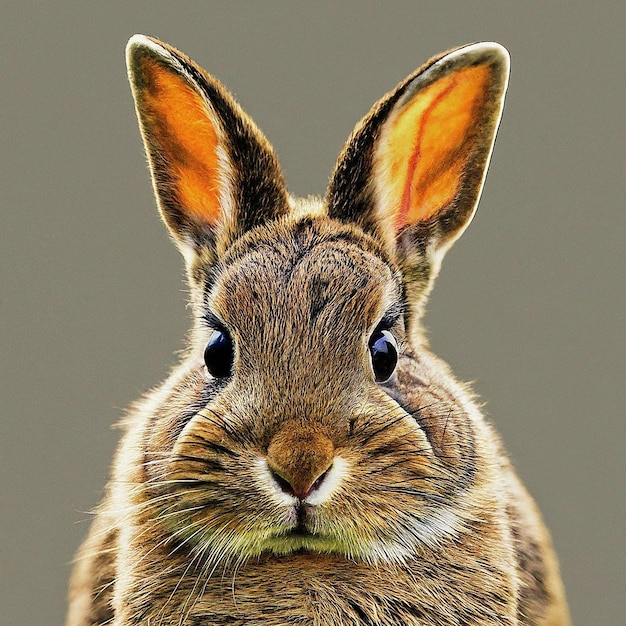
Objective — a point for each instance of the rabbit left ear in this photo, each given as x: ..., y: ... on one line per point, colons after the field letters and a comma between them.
x: 413, y: 171
x: 215, y: 175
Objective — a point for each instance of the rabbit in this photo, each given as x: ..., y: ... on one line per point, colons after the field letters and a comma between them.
x: 310, y: 461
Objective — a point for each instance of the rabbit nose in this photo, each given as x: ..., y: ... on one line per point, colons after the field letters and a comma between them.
x: 299, y: 458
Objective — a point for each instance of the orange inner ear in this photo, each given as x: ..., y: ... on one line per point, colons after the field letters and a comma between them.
x: 426, y: 149
x: 187, y: 140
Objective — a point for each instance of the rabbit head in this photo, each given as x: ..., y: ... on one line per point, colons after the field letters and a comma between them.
x: 308, y: 413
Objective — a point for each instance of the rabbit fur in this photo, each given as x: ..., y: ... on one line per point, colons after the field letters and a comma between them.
x: 292, y: 487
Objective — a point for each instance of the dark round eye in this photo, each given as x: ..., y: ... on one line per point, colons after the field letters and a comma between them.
x: 219, y: 354
x: 384, y: 350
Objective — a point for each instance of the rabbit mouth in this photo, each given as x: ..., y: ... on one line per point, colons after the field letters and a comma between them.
x: 301, y: 534
x: 302, y: 540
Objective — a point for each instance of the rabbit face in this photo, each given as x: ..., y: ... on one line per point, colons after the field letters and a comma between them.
x: 299, y: 448
x: 298, y: 442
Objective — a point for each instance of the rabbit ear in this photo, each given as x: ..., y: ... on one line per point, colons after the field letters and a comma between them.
x: 214, y: 173
x: 413, y: 170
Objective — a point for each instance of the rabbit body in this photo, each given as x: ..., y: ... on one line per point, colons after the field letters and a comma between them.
x: 310, y: 461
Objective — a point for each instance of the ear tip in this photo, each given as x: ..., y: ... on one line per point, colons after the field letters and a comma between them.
x: 141, y: 46
x: 138, y: 39
x: 137, y: 43
x: 497, y: 52
x: 488, y: 51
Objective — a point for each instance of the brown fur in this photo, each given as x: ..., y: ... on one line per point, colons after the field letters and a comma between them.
x: 419, y: 517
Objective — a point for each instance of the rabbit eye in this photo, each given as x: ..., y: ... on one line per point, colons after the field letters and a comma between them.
x: 219, y: 354
x: 384, y: 351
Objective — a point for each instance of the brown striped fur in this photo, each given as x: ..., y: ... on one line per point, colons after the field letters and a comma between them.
x: 406, y: 509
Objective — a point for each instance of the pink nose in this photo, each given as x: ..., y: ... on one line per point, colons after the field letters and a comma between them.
x: 299, y: 457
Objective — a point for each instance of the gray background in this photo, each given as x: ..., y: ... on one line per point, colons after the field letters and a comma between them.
x: 530, y: 303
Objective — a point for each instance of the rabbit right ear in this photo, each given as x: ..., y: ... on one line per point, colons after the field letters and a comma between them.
x: 215, y: 175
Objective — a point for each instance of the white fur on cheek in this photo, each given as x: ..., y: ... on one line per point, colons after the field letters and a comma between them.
x: 429, y: 531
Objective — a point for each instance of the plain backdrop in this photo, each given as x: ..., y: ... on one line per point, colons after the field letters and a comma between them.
x: 530, y: 303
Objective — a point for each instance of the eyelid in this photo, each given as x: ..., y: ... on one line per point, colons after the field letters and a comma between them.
x: 213, y: 322
x: 389, y: 319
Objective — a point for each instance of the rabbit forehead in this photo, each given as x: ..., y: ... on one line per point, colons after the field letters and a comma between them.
x: 303, y: 279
